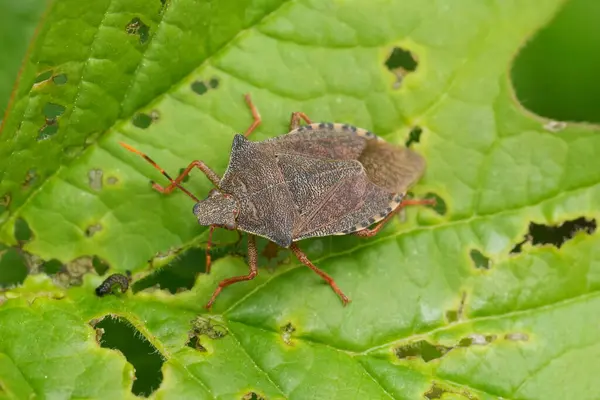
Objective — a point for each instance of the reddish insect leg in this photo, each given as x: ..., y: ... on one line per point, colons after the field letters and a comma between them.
x: 176, y: 183
x: 255, y: 115
x: 211, y: 229
x: 252, y: 266
x: 304, y: 260
x: 295, y: 120
x: 210, y: 174
x: 404, y: 203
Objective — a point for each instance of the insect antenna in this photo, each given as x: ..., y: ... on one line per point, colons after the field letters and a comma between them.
x: 158, y: 167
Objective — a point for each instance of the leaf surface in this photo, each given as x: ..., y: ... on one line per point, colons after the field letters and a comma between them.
x: 168, y: 77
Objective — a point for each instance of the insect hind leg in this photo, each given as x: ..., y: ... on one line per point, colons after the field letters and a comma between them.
x: 304, y: 260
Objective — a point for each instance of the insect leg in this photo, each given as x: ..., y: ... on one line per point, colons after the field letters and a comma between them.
x: 255, y: 115
x: 175, y: 183
x: 304, y: 260
x: 404, y: 203
x: 252, y: 266
x: 211, y: 229
x: 295, y: 120
x: 210, y: 174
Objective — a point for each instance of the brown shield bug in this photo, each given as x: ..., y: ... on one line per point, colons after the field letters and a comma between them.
x: 317, y: 180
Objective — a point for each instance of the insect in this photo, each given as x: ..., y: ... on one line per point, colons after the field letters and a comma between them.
x: 317, y: 180
x: 106, y: 287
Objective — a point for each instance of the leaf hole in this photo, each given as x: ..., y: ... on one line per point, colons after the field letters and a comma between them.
x: 440, y: 205
x: 154, y: 115
x: 213, y: 83
x: 476, y: 339
x: 137, y: 27
x: 52, y: 267
x: 100, y: 266
x: 141, y: 120
x: 204, y: 327
x: 59, y: 79
x: 199, y: 87
x: 414, y: 136
x: 22, y: 232
x: 43, y: 77
x: 53, y: 110
x: 421, y: 349
x: 112, y: 180
x: 49, y: 129
x: 95, y: 179
x: 91, y: 230
x: 401, y: 62
x: 437, y: 391
x: 556, y: 235
x: 13, y: 267
x: 119, y: 334
x: 177, y: 270
x: 479, y: 260
x: 253, y: 396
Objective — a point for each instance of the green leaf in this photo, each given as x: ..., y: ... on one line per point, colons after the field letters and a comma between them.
x: 17, y: 23
x: 441, y: 305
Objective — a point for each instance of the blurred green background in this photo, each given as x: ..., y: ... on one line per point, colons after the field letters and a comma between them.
x: 555, y: 76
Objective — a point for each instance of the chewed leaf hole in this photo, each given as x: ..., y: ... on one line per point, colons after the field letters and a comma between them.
x: 199, y: 87
x: 60, y: 79
x: 141, y: 120
x: 53, y: 111
x: 440, y: 205
x: 414, y: 136
x: 400, y: 62
x: 421, y: 349
x: 49, y: 129
x: 213, y: 83
x: 100, y: 266
x: 556, y: 235
x: 22, y: 231
x: 176, y: 271
x: 137, y: 27
x: 479, y: 260
x: 44, y: 76
x: 13, y: 267
x: 119, y: 334
x: 439, y: 391
x: 253, y: 396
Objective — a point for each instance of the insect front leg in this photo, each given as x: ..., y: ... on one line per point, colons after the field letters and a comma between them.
x: 404, y: 203
x: 304, y: 260
x: 252, y: 267
x: 255, y: 116
x: 175, y: 183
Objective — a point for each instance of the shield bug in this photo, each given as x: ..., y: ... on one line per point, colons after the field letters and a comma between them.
x: 317, y: 180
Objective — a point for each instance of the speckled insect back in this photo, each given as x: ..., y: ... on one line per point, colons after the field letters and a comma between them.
x: 317, y: 180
